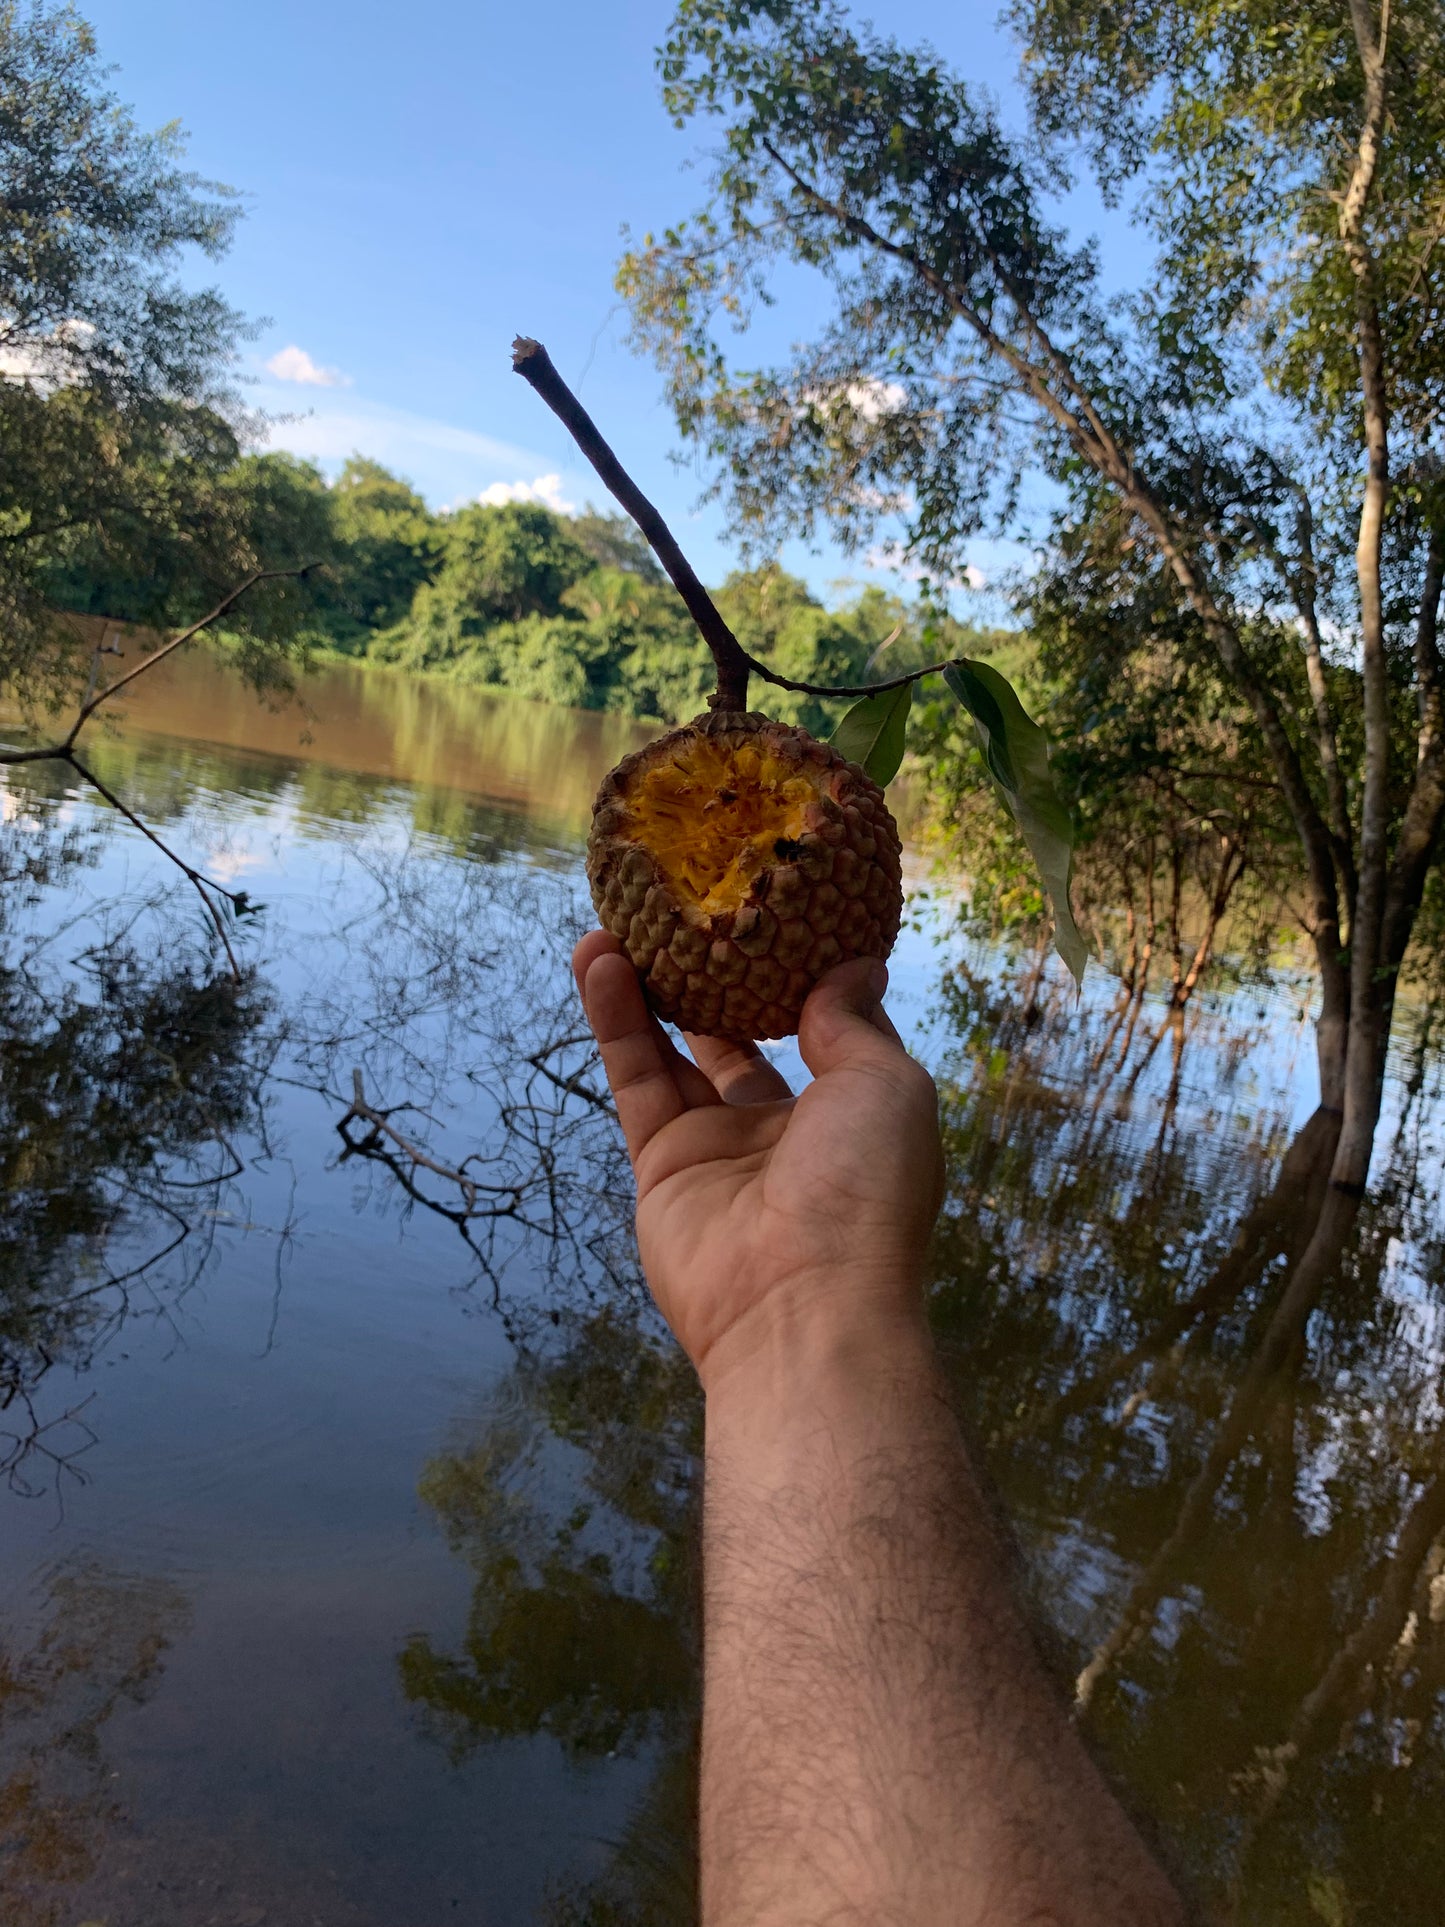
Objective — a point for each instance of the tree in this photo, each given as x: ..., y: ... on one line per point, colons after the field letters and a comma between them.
x: 388, y: 545
x: 189, y: 529
x: 499, y: 565
x: 117, y: 419
x: 1251, y: 439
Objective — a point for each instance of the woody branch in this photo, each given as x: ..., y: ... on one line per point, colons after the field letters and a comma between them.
x: 65, y: 751
x: 734, y: 665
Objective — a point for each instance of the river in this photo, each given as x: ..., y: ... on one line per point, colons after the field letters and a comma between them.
x: 347, y: 1530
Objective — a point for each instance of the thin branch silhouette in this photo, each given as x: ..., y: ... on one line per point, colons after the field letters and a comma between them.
x: 64, y: 751
x: 734, y: 665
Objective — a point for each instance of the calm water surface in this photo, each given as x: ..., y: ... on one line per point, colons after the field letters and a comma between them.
x: 346, y: 1535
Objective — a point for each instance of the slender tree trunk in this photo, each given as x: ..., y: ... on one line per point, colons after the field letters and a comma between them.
x: 1372, y: 988
x: 1225, y: 878
x: 1131, y: 952
x: 1176, y: 937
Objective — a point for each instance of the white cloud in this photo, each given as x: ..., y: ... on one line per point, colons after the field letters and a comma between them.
x: 869, y: 399
x: 49, y: 361
x: 890, y: 555
x: 444, y: 460
x: 546, y: 489
x: 294, y: 364
x: 873, y: 399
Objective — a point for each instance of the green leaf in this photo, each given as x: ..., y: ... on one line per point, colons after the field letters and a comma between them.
x: 1017, y: 754
x: 871, y: 734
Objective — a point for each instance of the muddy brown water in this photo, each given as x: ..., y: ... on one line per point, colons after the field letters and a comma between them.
x: 346, y: 1534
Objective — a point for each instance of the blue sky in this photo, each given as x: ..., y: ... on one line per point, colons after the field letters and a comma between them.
x: 422, y: 184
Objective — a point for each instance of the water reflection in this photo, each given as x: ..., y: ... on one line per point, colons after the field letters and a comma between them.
x: 1208, y: 1391
x: 583, y: 1621
x: 122, y: 1082
x: 346, y: 728
x: 99, y: 1648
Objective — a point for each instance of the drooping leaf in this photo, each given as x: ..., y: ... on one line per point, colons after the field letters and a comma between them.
x: 1016, y: 752
x: 871, y: 734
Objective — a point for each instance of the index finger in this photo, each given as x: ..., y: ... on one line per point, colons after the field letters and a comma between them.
x: 635, y: 1054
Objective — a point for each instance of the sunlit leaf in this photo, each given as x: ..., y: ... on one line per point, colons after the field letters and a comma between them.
x: 871, y: 734
x: 1017, y: 754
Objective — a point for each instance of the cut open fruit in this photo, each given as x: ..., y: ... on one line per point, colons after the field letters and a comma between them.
x: 737, y: 859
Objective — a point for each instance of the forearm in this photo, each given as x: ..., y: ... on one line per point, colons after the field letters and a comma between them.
x: 879, y: 1741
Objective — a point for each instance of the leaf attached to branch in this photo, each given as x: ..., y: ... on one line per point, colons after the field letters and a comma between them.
x: 1017, y: 754
x: 871, y: 734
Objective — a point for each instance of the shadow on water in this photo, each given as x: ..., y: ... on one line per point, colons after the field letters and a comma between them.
x: 1206, y: 1388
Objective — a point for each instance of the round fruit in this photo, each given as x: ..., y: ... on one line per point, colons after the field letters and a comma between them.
x: 737, y: 859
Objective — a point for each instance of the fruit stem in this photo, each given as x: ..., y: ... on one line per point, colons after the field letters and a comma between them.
x: 532, y: 362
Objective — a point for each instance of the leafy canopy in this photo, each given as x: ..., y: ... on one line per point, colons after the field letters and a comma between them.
x: 1202, y: 437
x: 116, y: 413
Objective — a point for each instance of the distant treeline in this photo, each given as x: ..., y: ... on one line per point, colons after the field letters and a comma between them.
x: 562, y: 609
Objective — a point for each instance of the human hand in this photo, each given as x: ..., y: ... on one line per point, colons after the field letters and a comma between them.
x: 757, y: 1209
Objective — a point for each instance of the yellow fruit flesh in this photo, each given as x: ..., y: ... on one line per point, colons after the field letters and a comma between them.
x: 713, y: 818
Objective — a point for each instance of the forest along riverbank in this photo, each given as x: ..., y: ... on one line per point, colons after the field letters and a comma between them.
x: 344, y: 1554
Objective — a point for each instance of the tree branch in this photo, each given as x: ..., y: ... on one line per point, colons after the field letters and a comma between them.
x: 1090, y: 437
x: 734, y: 665
x: 64, y: 751
x: 532, y: 362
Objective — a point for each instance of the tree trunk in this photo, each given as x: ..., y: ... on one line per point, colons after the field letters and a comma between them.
x: 1372, y: 989
x: 1364, y: 1081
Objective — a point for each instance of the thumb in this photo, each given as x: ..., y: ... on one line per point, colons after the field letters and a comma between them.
x: 843, y: 1022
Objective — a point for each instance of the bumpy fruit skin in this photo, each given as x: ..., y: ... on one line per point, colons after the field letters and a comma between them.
x: 737, y: 859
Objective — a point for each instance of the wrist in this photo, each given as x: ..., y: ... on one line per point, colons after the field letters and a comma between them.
x: 815, y: 1335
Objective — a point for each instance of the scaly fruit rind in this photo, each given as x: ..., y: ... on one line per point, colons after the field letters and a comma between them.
x: 737, y: 859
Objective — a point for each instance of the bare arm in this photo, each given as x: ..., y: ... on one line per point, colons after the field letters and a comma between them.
x: 880, y: 1743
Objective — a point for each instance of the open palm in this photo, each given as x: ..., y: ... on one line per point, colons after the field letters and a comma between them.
x: 753, y: 1203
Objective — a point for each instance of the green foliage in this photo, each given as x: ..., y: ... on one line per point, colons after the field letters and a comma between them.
x: 1201, y: 436
x: 575, y: 611
x: 873, y: 732
x: 498, y: 566
x: 387, y: 546
x: 1016, y: 752
x: 115, y: 414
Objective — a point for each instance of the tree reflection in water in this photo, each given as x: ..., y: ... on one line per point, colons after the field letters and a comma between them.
x: 123, y: 1077
x: 576, y: 1508
x: 1207, y: 1389
x: 1208, y: 1392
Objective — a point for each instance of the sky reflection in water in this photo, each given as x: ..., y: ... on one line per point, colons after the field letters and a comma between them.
x: 346, y: 1566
